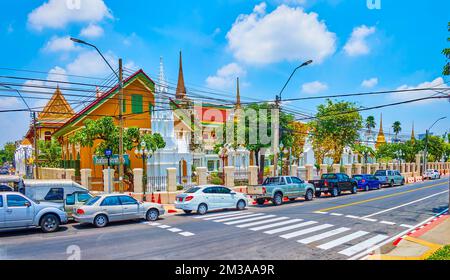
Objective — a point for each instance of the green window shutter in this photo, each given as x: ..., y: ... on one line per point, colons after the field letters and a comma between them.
x: 136, y: 104
x: 150, y: 108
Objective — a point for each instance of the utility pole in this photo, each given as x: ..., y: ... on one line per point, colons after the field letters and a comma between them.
x: 36, y: 153
x: 425, y: 153
x: 121, y: 161
x: 276, y: 132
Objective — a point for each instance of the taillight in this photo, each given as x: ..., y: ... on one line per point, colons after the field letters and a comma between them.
x: 326, y: 183
x: 363, y: 181
x: 264, y: 190
x: 189, y: 198
x: 80, y: 212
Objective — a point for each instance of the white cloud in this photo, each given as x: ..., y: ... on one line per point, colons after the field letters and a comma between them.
x: 225, y: 77
x: 286, y: 34
x: 90, y: 63
x: 357, y: 44
x: 314, y: 87
x: 58, y: 44
x: 7, y: 103
x: 59, y: 13
x: 92, y: 31
x: 370, y: 83
x: 417, y: 94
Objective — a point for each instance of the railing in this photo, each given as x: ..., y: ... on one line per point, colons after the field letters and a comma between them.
x: 156, y: 184
x: 241, y: 177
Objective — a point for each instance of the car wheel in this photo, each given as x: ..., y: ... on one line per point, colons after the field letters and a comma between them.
x: 187, y: 211
x: 100, y: 221
x: 278, y: 199
x: 367, y: 188
x: 355, y: 190
x: 318, y: 194
x: 260, y: 201
x: 152, y: 215
x: 309, y: 195
x: 392, y: 184
x: 202, y: 209
x: 403, y: 182
x: 241, y: 205
x: 335, y: 192
x: 49, y: 223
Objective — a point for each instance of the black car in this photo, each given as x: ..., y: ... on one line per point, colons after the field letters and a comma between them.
x: 5, y: 188
x: 335, y: 183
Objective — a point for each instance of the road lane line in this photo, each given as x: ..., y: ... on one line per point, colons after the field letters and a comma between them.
x: 262, y: 222
x: 363, y: 245
x: 218, y: 216
x: 381, y: 197
x: 403, y: 205
x: 164, y: 226
x: 352, y: 217
x: 387, y: 223
x: 186, y: 233
x: 321, y: 212
x: 337, y: 214
x: 250, y: 220
x: 154, y: 224
x: 342, y: 240
x: 406, y: 226
x: 237, y: 218
x: 276, y: 225
x: 306, y: 231
x: 369, y: 219
x: 323, y: 235
x: 174, y: 229
x: 283, y: 229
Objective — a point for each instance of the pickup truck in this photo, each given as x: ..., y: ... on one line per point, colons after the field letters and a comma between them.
x: 276, y: 188
x: 334, y: 183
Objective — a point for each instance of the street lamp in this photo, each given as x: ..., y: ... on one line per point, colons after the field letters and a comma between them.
x: 290, y: 77
x: 120, y: 83
x: 425, y: 153
x: 143, y: 153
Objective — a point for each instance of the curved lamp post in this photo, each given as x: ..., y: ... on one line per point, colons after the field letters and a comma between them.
x: 143, y: 153
x: 425, y: 153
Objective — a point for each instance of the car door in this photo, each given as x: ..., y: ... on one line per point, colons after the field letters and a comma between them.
x: 130, y: 207
x: 300, y: 186
x: 210, y: 197
x: 19, y: 211
x: 228, y: 197
x: 113, y: 208
x: 2, y: 212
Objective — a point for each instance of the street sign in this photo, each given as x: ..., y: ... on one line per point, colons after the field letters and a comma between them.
x: 114, y: 160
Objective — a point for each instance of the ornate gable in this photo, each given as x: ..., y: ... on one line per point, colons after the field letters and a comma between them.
x: 57, y: 109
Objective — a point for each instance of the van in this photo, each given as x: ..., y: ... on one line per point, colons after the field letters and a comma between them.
x: 51, y: 190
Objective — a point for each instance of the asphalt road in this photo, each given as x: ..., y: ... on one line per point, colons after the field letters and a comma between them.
x: 327, y: 228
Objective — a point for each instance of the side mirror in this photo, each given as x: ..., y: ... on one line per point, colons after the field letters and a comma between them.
x: 28, y: 204
x: 233, y: 193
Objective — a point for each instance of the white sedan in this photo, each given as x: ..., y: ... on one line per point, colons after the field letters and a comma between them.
x: 204, y: 198
x: 432, y: 174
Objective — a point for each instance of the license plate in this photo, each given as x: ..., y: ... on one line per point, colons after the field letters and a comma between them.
x: 180, y: 199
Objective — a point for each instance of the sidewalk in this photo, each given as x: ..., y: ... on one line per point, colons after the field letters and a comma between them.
x: 420, y: 243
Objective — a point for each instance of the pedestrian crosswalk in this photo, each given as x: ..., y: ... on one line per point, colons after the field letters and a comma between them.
x: 345, y: 241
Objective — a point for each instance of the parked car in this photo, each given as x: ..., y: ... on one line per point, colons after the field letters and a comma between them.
x: 4, y: 171
x: 204, y: 198
x: 335, y: 184
x: 276, y: 188
x: 5, y: 188
x: 390, y: 178
x: 432, y: 174
x: 103, y: 209
x: 367, y: 182
x: 18, y: 211
x: 75, y: 200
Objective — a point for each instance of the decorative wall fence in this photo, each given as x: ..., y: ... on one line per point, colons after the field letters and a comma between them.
x: 156, y: 184
x: 241, y: 177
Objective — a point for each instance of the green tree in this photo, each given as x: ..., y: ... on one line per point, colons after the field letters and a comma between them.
x: 370, y: 123
x: 49, y: 153
x: 7, y: 153
x: 397, y: 127
x: 436, y: 148
x: 364, y: 151
x: 446, y: 53
x: 335, y: 127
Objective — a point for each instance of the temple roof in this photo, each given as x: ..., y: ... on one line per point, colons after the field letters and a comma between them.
x: 181, y: 88
x: 381, y: 137
x: 56, y: 111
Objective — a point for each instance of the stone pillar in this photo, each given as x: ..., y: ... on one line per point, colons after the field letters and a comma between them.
x: 348, y: 169
x: 323, y: 169
x: 336, y: 168
x: 108, y: 181
x: 417, y: 165
x: 375, y: 167
x: 229, y: 176
x: 294, y: 170
x: 369, y: 168
x: 391, y: 166
x: 171, y: 179
x: 138, y: 173
x: 358, y: 168
x: 85, y: 175
x: 413, y: 170
x: 382, y: 166
x: 253, y: 175
x: 309, y: 172
x: 202, y: 175
x: 70, y: 173
x: 403, y: 168
x: 407, y: 167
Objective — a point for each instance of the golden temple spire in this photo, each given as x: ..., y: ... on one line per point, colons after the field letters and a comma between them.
x: 181, y: 88
x: 413, y: 135
x: 381, y: 137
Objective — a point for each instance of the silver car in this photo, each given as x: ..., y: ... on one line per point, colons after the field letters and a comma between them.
x: 18, y: 211
x: 103, y: 209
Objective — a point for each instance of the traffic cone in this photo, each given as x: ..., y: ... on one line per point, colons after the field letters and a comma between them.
x: 153, y: 198
x: 159, y: 199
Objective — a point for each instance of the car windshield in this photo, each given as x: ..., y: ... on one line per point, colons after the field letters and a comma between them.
x: 380, y: 173
x: 329, y: 176
x: 92, y: 201
x: 192, y: 190
x: 358, y: 177
x: 272, y: 181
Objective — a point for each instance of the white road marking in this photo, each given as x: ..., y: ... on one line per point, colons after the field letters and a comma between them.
x: 262, y: 222
x: 323, y: 236
x: 320, y: 212
x: 225, y: 216
x: 336, y: 214
x: 276, y: 225
x: 250, y: 220
x: 387, y: 223
x: 214, y: 215
x: 174, y: 230
x: 237, y: 218
x: 164, y: 226
x: 342, y: 240
x: 369, y: 220
x: 363, y: 245
x: 154, y: 224
x: 352, y: 217
x: 403, y: 205
x: 407, y: 226
x: 278, y: 230
x: 305, y: 231
x: 186, y: 233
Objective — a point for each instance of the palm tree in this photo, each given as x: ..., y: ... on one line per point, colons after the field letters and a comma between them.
x: 370, y: 123
x: 397, y: 127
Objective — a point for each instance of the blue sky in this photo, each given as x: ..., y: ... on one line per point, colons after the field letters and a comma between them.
x: 355, y: 49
